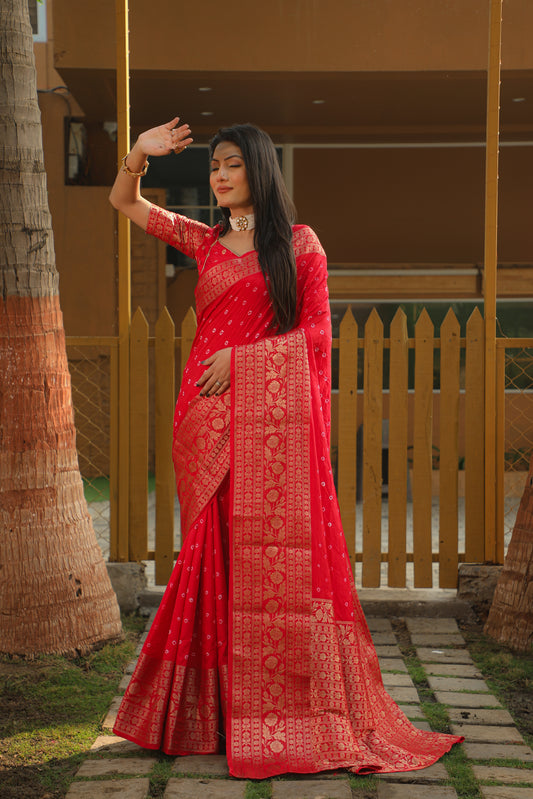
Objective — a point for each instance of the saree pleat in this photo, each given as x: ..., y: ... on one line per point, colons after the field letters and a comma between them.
x: 177, y: 695
x: 260, y: 636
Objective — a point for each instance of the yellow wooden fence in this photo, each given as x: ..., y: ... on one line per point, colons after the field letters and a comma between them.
x: 372, y: 553
x: 413, y: 437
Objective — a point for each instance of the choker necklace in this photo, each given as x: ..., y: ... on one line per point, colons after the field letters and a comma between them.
x: 242, y: 222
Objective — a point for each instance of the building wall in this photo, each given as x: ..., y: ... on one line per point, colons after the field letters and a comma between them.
x: 294, y: 35
x: 368, y: 205
x: 412, y: 205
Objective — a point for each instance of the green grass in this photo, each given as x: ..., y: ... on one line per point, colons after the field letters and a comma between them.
x: 509, y: 676
x: 461, y: 776
x: 364, y: 786
x: 96, y: 489
x: 161, y: 773
x: 258, y: 789
x: 52, y: 712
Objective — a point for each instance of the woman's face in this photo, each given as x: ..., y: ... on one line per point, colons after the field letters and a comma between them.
x: 229, y: 180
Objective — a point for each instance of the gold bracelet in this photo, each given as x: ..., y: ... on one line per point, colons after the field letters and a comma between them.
x: 127, y: 170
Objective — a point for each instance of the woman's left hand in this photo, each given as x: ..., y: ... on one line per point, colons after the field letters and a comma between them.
x: 216, y: 378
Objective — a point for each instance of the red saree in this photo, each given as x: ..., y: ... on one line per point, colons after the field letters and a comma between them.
x: 260, y: 637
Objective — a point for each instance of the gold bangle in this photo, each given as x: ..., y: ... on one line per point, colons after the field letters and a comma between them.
x: 127, y: 170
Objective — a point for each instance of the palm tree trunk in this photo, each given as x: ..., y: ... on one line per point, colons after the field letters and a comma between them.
x: 510, y: 619
x: 55, y: 594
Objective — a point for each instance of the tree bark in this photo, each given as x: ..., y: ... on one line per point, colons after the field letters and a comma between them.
x: 510, y: 619
x: 55, y: 593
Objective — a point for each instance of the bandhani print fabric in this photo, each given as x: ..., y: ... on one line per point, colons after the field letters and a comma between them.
x: 260, y: 642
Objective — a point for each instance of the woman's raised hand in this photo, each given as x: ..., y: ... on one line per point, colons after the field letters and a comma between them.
x: 165, y: 138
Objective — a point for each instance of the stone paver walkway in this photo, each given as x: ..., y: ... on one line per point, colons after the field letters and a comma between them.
x: 117, y: 768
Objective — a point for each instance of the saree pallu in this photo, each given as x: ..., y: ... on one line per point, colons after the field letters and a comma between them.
x: 260, y: 639
x: 305, y: 689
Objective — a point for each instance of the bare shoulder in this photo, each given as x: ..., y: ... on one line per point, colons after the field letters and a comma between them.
x: 306, y: 241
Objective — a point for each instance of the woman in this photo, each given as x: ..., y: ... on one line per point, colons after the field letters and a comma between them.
x: 260, y: 637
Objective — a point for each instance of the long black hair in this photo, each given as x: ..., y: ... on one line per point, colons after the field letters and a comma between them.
x: 274, y: 216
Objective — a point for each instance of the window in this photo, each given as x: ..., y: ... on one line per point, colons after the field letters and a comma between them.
x: 38, y: 19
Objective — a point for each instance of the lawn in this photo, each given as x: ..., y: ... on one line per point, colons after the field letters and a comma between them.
x: 51, y: 712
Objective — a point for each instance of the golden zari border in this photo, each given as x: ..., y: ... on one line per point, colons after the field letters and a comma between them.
x: 271, y: 552
x: 216, y: 280
x: 201, y: 453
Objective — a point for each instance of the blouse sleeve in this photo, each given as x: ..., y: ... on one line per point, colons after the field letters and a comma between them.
x: 179, y: 231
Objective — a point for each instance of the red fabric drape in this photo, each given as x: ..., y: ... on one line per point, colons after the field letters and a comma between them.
x: 260, y: 637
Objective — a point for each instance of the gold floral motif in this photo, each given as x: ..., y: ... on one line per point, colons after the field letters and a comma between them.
x: 271, y: 554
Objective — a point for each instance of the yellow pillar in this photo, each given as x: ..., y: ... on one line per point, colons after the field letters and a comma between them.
x: 490, y: 272
x: 124, y: 285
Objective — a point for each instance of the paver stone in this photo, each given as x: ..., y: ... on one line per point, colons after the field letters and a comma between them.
x: 412, y: 711
x: 461, y: 715
x: 381, y: 638
x: 475, y: 751
x: 457, y: 684
x: 433, y: 773
x: 401, y: 694
x: 420, y: 724
x: 113, y: 744
x: 391, y: 790
x: 502, y: 774
x: 387, y: 650
x: 425, y: 625
x: 178, y: 788
x: 453, y: 670
x: 397, y: 680
x: 125, y: 681
x: 110, y: 789
x: 459, y: 699
x: 111, y: 717
x: 214, y: 765
x: 504, y: 792
x: 436, y: 655
x: 483, y: 733
x: 392, y: 664
x: 311, y: 789
x: 436, y: 640
x: 117, y: 765
x: 378, y: 624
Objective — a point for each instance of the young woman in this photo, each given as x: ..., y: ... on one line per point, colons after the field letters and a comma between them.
x: 260, y: 639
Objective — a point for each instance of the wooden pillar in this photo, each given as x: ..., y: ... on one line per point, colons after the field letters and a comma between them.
x: 124, y: 284
x: 490, y: 270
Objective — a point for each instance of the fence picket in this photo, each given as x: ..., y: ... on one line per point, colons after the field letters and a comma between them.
x: 164, y: 470
x: 500, y: 453
x: 474, y: 441
x: 138, y: 516
x: 422, y: 452
x: 398, y: 473
x: 450, y: 343
x: 372, y: 452
x: 113, y: 453
x: 347, y: 439
x: 188, y: 332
